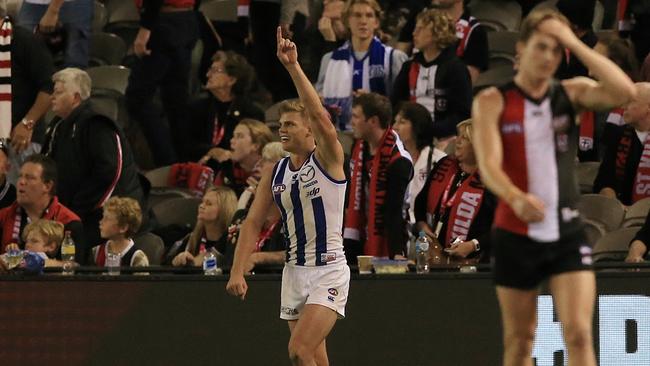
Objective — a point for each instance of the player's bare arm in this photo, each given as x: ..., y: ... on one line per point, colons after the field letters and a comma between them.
x: 249, y: 232
x: 612, y: 87
x: 328, y: 148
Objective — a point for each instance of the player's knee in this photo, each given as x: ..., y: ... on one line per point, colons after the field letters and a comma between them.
x: 577, y: 335
x: 299, y: 354
x: 520, y: 342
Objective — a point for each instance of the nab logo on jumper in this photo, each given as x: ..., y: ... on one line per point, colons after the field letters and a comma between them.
x: 311, y: 204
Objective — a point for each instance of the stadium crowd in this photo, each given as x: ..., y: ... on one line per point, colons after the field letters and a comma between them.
x: 124, y: 121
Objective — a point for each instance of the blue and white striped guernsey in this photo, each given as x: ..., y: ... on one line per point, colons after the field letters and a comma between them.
x: 311, y: 204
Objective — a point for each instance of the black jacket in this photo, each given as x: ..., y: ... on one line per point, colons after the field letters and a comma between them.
x: 94, y: 160
x: 451, y: 90
x: 625, y: 149
x: 202, y: 117
x: 31, y: 73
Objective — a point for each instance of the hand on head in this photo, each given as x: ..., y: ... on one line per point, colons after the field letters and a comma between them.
x: 557, y: 29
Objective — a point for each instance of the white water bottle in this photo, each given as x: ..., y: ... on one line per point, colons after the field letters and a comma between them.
x: 422, y: 253
x: 210, y: 264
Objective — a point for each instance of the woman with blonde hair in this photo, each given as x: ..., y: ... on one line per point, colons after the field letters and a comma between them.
x: 211, y: 230
x: 454, y: 208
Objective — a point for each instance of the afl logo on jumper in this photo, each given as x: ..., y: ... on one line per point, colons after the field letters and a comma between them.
x: 279, y: 188
x: 307, y: 174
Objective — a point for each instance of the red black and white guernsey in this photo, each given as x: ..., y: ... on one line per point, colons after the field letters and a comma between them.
x: 539, y: 140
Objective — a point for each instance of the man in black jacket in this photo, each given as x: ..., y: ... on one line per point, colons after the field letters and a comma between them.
x: 93, y: 156
x: 380, y: 172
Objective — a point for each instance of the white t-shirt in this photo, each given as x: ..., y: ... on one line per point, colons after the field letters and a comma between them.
x: 421, y: 171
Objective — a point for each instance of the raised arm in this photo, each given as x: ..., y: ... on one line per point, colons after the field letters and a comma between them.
x: 249, y: 232
x: 486, y: 111
x: 613, y: 87
x: 328, y: 148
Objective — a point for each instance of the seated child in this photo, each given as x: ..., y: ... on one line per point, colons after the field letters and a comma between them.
x: 120, y: 221
x: 42, y: 237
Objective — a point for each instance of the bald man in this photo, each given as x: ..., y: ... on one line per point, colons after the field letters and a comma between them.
x: 624, y: 173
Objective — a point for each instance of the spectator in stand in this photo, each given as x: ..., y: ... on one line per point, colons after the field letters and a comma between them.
x: 271, y: 154
x: 580, y: 14
x: 381, y: 169
x: 30, y: 80
x: 638, y: 251
x: 363, y: 64
x: 454, y: 205
x: 72, y: 17
x: 472, y: 47
x: 597, y: 128
x: 42, y: 237
x: 624, y: 172
x: 330, y: 24
x: 241, y: 161
x: 214, y: 118
x: 164, y: 44
x: 621, y: 52
x: 435, y: 77
x: 7, y: 190
x: 270, y: 247
x: 120, y: 221
x: 92, y: 154
x: 35, y: 199
x: 211, y: 231
x: 414, y: 126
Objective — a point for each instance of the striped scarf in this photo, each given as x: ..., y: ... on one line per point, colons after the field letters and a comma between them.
x: 368, y: 224
x: 5, y: 78
x: 346, y: 74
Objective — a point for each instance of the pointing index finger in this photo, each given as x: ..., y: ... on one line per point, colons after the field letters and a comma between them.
x: 278, y: 33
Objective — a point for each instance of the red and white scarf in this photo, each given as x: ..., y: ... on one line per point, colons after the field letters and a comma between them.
x: 5, y: 78
x: 615, y: 117
x: 586, y: 142
x: 464, y: 29
x: 463, y: 205
x: 370, y: 221
x: 641, y: 188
